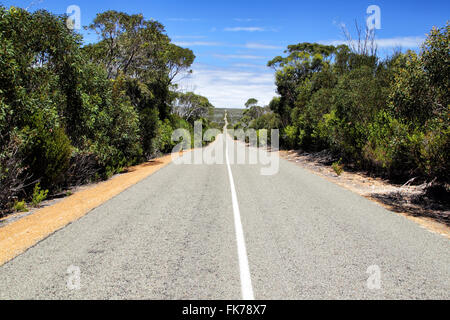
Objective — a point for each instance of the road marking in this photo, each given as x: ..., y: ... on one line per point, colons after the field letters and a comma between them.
x: 246, y: 280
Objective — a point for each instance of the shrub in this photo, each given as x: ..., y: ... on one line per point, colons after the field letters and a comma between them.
x: 71, y: 114
x: 434, y: 157
x: 327, y: 130
x: 388, y: 145
x: 12, y: 173
x: 38, y: 195
x: 148, y: 118
x: 84, y: 168
x: 164, y: 141
x: 409, y: 95
x: 337, y: 167
x: 124, y: 127
x: 48, y: 154
x: 290, y: 136
x: 20, y: 206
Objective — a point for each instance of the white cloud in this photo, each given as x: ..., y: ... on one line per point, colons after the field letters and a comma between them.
x: 239, y: 56
x: 247, y: 29
x: 250, y: 65
x: 406, y: 42
x: 230, y: 88
x: 403, y: 42
x: 197, y: 44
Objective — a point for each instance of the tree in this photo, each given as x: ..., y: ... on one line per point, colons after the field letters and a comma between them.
x: 127, y: 42
x: 388, y: 115
x: 251, y: 103
x: 71, y: 114
x: 179, y: 60
x: 137, y: 48
x: 138, y: 52
x: 435, y: 56
x: 295, y: 70
x: 191, y: 106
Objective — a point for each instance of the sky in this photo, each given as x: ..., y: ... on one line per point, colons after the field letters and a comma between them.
x: 234, y: 40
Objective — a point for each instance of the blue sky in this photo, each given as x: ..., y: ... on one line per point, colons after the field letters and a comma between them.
x: 233, y: 40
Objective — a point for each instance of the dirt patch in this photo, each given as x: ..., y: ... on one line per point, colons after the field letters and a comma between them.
x: 21, y: 231
x: 408, y: 200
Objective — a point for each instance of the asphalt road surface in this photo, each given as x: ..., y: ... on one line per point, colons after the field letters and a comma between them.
x: 197, y: 232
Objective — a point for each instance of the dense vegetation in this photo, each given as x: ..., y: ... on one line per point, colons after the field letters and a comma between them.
x: 71, y: 114
x: 389, y: 116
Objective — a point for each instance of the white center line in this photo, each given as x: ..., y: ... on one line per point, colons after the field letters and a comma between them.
x: 246, y: 280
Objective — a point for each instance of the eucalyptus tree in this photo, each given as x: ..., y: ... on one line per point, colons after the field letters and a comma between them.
x: 191, y: 106
x: 140, y: 51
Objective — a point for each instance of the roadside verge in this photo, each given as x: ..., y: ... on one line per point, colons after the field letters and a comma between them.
x: 18, y: 236
x: 398, y: 199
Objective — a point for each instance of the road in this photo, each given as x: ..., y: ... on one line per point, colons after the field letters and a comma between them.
x: 195, y: 232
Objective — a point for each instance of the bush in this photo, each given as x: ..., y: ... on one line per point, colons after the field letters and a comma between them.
x: 38, y: 195
x: 71, y: 114
x: 123, y: 129
x: 388, y: 145
x: 20, y: 206
x: 337, y: 167
x: 12, y: 172
x: 84, y: 168
x: 148, y: 118
x: 164, y: 141
x: 290, y: 137
x: 433, y: 156
x: 389, y: 116
x: 48, y: 153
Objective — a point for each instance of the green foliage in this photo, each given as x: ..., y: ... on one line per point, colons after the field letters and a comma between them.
x: 291, y: 136
x: 337, y: 167
x: 390, y: 115
x: 20, y: 206
x: 71, y: 114
x: 38, y: 195
x: 47, y: 152
x: 410, y: 96
x: 251, y: 103
x: 267, y: 121
x: 436, y: 61
x: 165, y: 143
x: 12, y: 171
x: 191, y: 106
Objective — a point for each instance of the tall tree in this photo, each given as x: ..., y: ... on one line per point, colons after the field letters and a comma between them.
x: 251, y: 103
x: 191, y: 106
